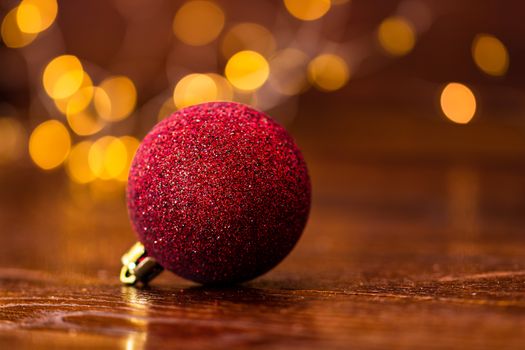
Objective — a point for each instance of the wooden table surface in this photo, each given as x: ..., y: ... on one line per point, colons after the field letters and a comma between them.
x: 397, y: 254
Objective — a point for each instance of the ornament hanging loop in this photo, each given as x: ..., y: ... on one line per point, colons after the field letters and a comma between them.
x: 138, y: 267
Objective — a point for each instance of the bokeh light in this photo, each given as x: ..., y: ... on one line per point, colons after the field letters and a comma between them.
x: 12, y: 139
x: 34, y: 16
x: 248, y: 36
x: 11, y: 34
x: 108, y: 157
x: 122, y: 96
x: 224, y: 88
x: 307, y: 10
x: 131, y: 144
x: 63, y: 76
x: 328, y: 72
x: 490, y: 54
x: 49, y: 144
x: 198, y: 22
x: 193, y: 89
x: 247, y: 70
x: 288, y: 71
x: 396, y: 36
x: 85, y: 122
x: 458, y: 103
x: 79, y: 100
x: 77, y: 165
x: 28, y: 17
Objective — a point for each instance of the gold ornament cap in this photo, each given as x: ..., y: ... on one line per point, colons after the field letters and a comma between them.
x: 138, y: 267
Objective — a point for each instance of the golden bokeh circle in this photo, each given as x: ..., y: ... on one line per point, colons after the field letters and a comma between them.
x: 12, y: 36
x: 328, y: 72
x: 307, y: 10
x: 108, y: 157
x: 49, y: 144
x: 490, y: 55
x: 458, y: 103
x: 247, y: 70
x: 79, y: 100
x: 63, y: 76
x: 198, y: 22
x: 35, y: 16
x: 131, y: 144
x: 77, y: 165
x: 194, y: 89
x: 116, y: 98
x: 396, y: 36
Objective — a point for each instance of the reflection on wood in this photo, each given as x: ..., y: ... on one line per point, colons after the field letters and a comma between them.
x: 393, y: 257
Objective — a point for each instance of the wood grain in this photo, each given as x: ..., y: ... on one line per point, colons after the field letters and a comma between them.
x: 397, y: 254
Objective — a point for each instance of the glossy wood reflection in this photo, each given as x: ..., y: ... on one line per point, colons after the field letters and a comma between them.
x: 397, y: 254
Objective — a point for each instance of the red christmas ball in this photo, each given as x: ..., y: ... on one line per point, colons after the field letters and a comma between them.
x: 218, y: 193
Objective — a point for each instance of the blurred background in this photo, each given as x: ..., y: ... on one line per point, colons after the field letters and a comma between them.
x: 407, y: 111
